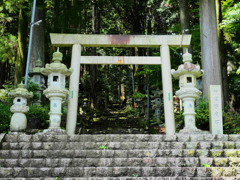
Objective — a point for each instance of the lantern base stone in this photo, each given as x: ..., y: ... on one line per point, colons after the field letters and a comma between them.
x: 18, y: 122
x: 192, y: 131
x: 55, y: 131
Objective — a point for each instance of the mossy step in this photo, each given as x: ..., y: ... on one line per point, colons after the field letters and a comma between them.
x: 117, y: 153
x: 121, y: 137
x: 128, y: 178
x: 119, y: 172
x: 121, y: 162
x: 120, y: 145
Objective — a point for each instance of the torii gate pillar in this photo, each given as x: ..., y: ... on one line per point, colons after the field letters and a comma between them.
x: 167, y: 90
x: 73, y: 90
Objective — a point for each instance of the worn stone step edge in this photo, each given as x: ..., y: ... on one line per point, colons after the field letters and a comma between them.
x: 118, y: 153
x: 127, y: 178
x: 119, y: 138
x: 120, y: 171
x: 121, y: 162
x: 121, y: 145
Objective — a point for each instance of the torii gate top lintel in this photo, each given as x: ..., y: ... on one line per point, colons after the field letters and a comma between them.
x: 96, y: 40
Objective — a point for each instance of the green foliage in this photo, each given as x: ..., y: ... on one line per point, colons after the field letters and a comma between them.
x: 231, y: 123
x: 131, y: 111
x: 231, y: 28
x: 8, y: 44
x: 103, y: 147
x: 231, y: 119
x: 5, y: 117
x: 14, y: 5
x: 202, y: 114
x: 4, y: 95
x: 39, y: 113
x: 138, y: 95
x: 179, y: 119
x: 238, y: 71
x: 205, y: 165
x: 34, y: 88
x: 231, y: 18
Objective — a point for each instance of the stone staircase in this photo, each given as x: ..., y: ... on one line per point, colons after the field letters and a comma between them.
x: 114, y: 122
x: 120, y: 157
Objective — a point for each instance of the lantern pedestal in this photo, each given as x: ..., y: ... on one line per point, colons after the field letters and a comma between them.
x: 56, y: 97
x: 188, y: 96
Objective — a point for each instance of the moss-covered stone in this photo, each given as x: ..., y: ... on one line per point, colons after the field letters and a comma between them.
x: 229, y: 145
x: 230, y: 153
x: 217, y: 145
x: 234, y: 162
x: 217, y: 172
x: 189, y: 153
x: 221, y: 162
x: 202, y: 153
x: 216, y: 153
x: 238, y: 153
x: 191, y: 145
x: 229, y: 172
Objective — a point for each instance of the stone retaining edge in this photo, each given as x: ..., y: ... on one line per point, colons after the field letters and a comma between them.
x: 2, y: 135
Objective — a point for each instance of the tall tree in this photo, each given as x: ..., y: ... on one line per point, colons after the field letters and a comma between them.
x: 184, y: 17
x: 21, y: 54
x: 223, y: 54
x: 93, y: 68
x: 209, y: 45
x: 38, y: 41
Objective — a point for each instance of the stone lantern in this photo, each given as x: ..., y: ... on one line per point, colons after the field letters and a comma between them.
x: 19, y: 121
x: 38, y: 79
x: 157, y: 104
x: 187, y: 74
x: 56, y: 91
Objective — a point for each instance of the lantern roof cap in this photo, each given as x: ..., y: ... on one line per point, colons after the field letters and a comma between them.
x: 57, y: 56
x: 187, y: 57
x: 56, y: 66
x: 20, y: 91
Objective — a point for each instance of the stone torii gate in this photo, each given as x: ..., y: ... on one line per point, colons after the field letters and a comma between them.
x: 76, y: 41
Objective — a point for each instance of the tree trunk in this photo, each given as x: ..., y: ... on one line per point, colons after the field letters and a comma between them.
x: 184, y: 19
x: 209, y: 45
x: 21, y: 52
x: 93, y: 68
x: 38, y: 41
x: 223, y: 55
x: 4, y: 73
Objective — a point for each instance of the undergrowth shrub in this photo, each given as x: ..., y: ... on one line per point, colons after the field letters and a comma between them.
x: 38, y: 114
x: 231, y: 122
x: 231, y: 119
x: 5, y: 117
x: 202, y: 114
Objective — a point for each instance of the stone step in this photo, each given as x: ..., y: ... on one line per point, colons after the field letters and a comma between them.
x: 119, y: 138
x: 119, y: 145
x: 60, y: 172
x: 14, y: 154
x: 111, y: 130
x: 121, y: 162
x: 129, y: 178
